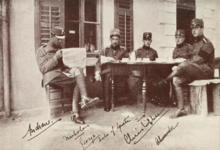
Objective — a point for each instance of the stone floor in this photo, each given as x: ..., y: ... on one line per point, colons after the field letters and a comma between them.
x: 124, y: 129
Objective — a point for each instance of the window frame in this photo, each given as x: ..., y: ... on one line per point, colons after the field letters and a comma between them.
x: 81, y: 21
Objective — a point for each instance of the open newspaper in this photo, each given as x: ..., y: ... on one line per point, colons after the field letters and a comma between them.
x: 74, y: 58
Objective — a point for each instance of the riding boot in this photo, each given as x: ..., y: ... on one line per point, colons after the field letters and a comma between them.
x: 106, y: 88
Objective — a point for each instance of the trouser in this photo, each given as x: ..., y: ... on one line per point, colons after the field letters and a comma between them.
x: 78, y: 85
x: 186, y: 73
x: 135, y: 86
x: 106, y: 80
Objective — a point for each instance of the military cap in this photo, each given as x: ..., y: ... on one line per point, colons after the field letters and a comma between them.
x: 114, y: 32
x: 197, y: 23
x: 180, y: 32
x: 58, y: 31
x: 147, y: 36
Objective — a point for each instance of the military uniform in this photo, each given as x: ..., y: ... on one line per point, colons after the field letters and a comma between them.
x: 200, y: 67
x: 146, y: 52
x: 117, y: 53
x: 183, y: 50
x: 52, y: 70
x: 135, y: 80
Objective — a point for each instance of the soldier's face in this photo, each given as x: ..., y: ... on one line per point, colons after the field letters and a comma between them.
x: 179, y: 40
x: 57, y: 42
x: 114, y: 41
x: 197, y: 31
x: 147, y: 42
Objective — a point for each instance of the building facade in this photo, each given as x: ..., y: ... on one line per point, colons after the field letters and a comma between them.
x: 90, y: 22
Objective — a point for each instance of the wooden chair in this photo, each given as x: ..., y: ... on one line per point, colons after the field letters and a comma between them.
x: 57, y: 97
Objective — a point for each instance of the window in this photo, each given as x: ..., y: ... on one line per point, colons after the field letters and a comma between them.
x: 81, y: 19
x: 124, y: 22
x: 185, y: 13
x: 83, y: 24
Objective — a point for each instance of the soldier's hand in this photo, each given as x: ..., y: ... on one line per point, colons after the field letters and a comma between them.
x: 174, y: 68
x: 58, y: 54
x: 98, y: 76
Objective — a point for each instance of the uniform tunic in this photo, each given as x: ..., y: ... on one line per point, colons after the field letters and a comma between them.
x: 202, y: 64
x: 183, y: 50
x: 146, y: 52
x: 117, y: 53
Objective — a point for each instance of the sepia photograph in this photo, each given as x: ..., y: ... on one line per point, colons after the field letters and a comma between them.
x: 109, y: 74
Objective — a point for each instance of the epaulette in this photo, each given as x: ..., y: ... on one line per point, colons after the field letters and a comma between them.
x: 41, y: 48
x: 139, y: 48
x: 187, y: 44
x: 104, y: 50
x: 122, y: 47
x: 205, y: 40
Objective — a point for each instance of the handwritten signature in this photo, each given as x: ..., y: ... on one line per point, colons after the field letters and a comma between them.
x: 159, y: 139
x: 128, y: 137
x: 78, y: 133
x: 91, y: 140
x: 39, y: 128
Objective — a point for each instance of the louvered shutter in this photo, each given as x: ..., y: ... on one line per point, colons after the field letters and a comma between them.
x: 51, y: 13
x: 124, y: 21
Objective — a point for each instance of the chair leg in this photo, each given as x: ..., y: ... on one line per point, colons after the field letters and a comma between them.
x: 48, y: 99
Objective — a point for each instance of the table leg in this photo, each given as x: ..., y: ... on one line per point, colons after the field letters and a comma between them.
x: 144, y: 91
x: 113, y: 94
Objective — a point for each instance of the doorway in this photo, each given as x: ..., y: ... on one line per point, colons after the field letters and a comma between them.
x: 185, y: 13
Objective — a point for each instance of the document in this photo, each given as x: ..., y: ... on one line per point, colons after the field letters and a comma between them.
x: 74, y: 58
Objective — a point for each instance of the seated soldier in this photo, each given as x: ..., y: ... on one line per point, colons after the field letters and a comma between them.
x: 134, y: 80
x: 182, y: 49
x: 117, y: 52
x: 51, y: 66
x: 200, y: 67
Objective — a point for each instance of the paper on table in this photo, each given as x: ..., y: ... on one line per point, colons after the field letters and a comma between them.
x: 106, y: 59
x: 75, y: 58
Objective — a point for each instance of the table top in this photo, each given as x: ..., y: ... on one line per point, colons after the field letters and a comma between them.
x: 144, y: 63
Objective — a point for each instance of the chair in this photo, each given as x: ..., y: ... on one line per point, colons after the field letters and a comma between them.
x: 200, y: 93
x: 57, y: 97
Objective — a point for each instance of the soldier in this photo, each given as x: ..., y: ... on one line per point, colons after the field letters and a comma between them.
x: 116, y: 51
x: 134, y: 80
x: 146, y: 51
x: 200, y: 67
x: 51, y: 66
x: 182, y: 49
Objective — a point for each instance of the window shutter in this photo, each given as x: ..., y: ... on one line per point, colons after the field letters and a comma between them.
x: 124, y: 22
x: 51, y: 13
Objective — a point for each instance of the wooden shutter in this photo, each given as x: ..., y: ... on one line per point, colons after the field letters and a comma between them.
x: 51, y: 13
x: 124, y: 22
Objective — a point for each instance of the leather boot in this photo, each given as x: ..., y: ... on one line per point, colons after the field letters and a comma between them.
x: 180, y: 99
x: 106, y: 88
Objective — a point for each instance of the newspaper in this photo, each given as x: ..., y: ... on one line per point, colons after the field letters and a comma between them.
x: 74, y: 58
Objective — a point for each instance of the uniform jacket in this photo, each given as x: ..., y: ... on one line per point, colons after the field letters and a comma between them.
x: 204, y: 55
x: 117, y: 54
x: 183, y: 50
x: 48, y: 65
x: 146, y: 52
